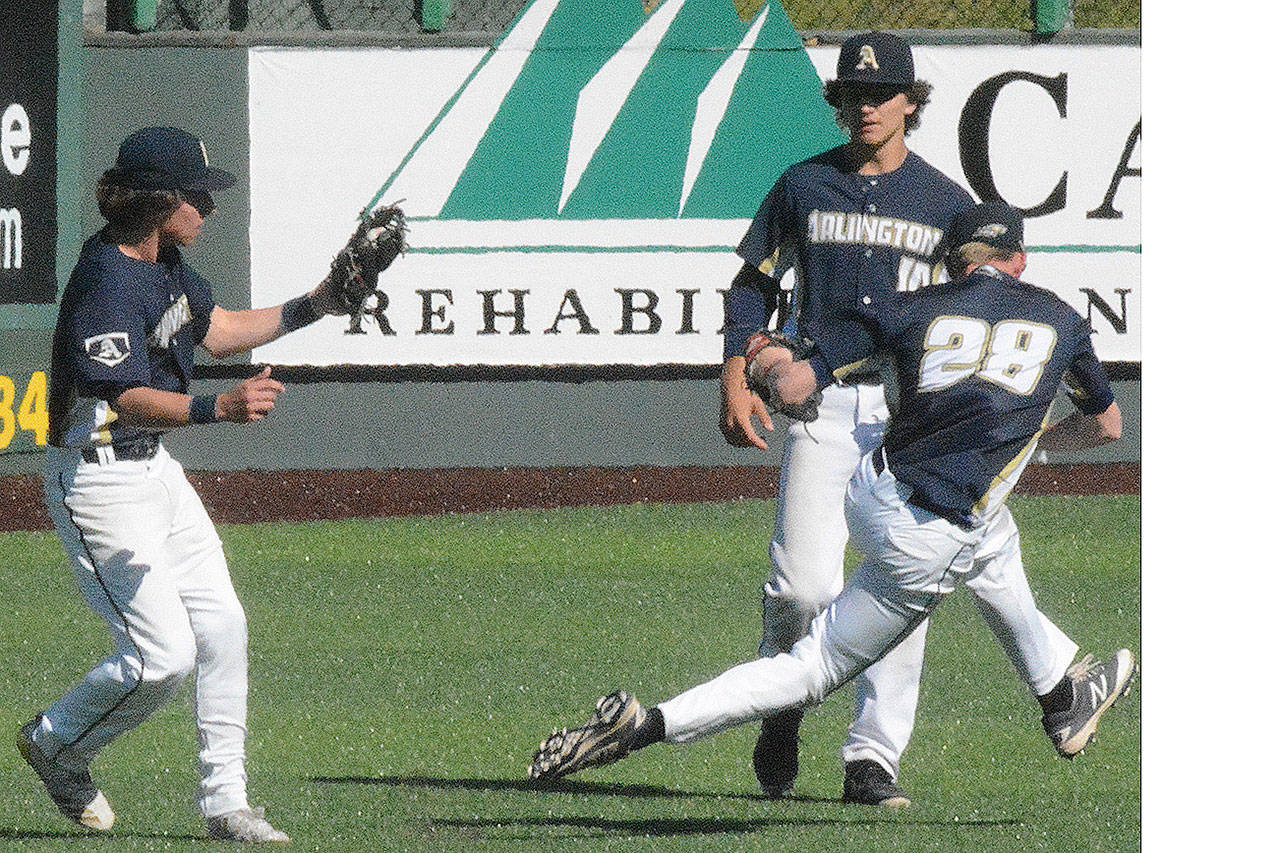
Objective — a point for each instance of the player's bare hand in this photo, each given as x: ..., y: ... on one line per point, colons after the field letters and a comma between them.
x: 251, y: 400
x: 738, y: 407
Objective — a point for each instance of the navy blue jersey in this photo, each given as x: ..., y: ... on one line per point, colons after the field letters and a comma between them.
x: 973, y: 367
x: 854, y: 241
x: 123, y: 323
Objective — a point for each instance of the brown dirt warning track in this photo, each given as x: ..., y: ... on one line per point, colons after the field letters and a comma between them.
x: 257, y: 495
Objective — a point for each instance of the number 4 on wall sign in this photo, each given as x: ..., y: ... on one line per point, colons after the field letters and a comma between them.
x: 32, y: 413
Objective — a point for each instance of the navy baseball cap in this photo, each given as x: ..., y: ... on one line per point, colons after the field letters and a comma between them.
x: 876, y: 59
x: 167, y: 158
x: 994, y: 223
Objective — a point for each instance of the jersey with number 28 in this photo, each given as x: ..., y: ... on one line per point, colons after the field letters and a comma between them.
x: 974, y: 366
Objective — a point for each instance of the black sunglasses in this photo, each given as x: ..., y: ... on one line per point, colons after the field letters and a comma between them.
x: 873, y: 95
x: 201, y: 200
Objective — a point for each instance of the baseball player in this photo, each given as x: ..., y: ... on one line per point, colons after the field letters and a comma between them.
x: 141, y: 544
x: 976, y: 364
x: 858, y: 224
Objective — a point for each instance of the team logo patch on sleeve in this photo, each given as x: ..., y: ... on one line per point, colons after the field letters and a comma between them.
x: 109, y: 349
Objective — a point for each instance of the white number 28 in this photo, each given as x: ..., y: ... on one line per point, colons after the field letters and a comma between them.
x: 1012, y: 354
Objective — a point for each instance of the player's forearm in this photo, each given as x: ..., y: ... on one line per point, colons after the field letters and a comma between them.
x: 1079, y: 431
x: 232, y: 332
x: 151, y: 407
x: 733, y: 375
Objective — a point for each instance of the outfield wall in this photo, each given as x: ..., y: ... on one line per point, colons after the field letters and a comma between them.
x: 442, y: 412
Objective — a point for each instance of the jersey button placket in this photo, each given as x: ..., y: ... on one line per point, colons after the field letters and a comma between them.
x: 871, y: 208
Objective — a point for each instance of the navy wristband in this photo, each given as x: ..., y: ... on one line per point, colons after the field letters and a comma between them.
x: 204, y: 409
x: 298, y: 312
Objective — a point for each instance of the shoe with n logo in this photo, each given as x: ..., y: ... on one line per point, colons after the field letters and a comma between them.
x: 1095, y: 687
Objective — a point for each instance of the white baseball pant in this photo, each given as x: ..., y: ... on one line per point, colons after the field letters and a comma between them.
x: 807, y: 557
x: 914, y: 559
x: 150, y: 563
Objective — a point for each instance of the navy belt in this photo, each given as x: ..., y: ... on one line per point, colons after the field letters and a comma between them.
x: 143, y: 447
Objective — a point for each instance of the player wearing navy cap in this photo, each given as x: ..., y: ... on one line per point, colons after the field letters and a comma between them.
x: 976, y: 363
x: 859, y: 225
x: 143, y: 549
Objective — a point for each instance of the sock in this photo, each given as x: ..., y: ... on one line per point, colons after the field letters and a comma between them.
x: 652, y: 729
x: 1059, y: 698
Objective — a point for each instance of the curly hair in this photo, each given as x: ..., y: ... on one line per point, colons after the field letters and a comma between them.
x: 132, y: 214
x: 918, y: 94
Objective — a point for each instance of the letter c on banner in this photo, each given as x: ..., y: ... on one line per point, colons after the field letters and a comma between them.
x: 975, y: 137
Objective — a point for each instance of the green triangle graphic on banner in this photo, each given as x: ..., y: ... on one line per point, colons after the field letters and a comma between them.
x: 611, y: 113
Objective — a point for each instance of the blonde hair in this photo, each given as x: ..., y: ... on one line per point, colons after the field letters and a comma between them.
x: 980, y: 253
x: 974, y: 254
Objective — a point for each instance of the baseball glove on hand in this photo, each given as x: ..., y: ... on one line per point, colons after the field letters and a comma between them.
x: 353, y: 276
x: 764, y: 380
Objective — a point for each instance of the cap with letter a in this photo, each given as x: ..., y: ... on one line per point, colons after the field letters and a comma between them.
x: 876, y: 59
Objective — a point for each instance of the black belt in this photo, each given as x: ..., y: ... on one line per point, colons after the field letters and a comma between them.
x: 143, y: 447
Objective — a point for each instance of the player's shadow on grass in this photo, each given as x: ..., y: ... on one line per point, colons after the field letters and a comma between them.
x: 563, y: 786
x: 674, y: 827
x: 8, y: 833
x: 667, y: 827
x: 573, y: 786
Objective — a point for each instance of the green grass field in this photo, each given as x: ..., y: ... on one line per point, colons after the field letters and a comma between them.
x: 402, y: 671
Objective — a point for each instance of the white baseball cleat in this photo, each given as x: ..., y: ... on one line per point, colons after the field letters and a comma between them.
x: 604, y: 739
x: 247, y: 826
x: 72, y: 791
x: 1095, y: 687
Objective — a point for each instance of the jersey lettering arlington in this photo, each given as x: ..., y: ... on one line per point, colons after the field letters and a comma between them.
x: 842, y: 227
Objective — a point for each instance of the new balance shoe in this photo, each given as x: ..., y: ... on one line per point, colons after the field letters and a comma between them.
x: 72, y: 791
x: 604, y: 739
x: 867, y: 783
x: 246, y: 826
x: 776, y: 758
x: 1095, y: 687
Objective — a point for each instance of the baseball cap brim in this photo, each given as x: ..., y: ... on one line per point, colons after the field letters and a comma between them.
x: 872, y: 79
x: 212, y: 179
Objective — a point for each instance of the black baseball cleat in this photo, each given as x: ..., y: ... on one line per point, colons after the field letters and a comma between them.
x: 72, y: 791
x: 1095, y: 687
x: 776, y: 758
x: 867, y: 783
x: 604, y: 739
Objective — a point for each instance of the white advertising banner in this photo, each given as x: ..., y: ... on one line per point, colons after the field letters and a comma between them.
x: 575, y: 195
